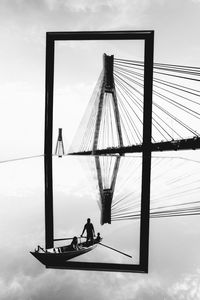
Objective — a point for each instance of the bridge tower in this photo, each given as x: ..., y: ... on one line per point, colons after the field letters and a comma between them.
x: 60, y: 145
x: 107, y: 86
x: 106, y: 193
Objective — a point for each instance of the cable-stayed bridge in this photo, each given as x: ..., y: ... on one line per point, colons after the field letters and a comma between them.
x: 113, y: 125
x: 113, y: 122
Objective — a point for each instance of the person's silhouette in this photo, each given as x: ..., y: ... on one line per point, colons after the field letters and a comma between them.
x: 74, y: 243
x: 89, y: 228
x: 98, y: 238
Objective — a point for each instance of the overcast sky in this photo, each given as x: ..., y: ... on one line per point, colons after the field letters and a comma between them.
x: 174, y: 265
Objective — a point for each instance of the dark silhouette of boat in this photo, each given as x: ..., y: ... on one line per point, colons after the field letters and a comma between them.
x: 61, y: 254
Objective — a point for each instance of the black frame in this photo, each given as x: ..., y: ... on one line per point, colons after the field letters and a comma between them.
x: 148, y: 37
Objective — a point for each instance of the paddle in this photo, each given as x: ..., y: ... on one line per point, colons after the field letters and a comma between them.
x: 115, y: 250
x: 64, y: 239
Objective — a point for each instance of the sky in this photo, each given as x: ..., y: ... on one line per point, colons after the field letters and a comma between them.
x: 174, y: 265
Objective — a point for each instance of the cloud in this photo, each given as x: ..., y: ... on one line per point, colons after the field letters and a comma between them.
x: 70, y: 15
x: 92, y: 6
x: 78, y: 6
x: 188, y: 288
x: 52, y: 284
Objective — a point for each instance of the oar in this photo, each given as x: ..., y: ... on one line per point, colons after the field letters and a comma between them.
x: 115, y: 250
x: 64, y: 239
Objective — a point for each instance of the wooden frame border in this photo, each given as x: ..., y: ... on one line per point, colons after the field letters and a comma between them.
x: 148, y: 37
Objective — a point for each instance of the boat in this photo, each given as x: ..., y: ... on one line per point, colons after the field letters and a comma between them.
x: 62, y: 254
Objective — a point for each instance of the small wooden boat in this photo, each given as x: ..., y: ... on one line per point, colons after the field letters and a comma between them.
x: 61, y: 254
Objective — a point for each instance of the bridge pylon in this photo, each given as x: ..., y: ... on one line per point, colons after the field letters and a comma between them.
x: 107, y: 87
x: 60, y: 151
x: 106, y: 192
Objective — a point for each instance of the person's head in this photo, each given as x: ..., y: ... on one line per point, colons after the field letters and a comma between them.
x: 75, y: 239
x: 98, y: 234
x: 88, y: 220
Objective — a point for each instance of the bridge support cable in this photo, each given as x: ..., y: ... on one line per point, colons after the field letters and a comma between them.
x: 134, y: 80
x: 130, y: 77
x: 173, y: 86
x: 130, y: 127
x: 131, y: 109
x: 194, y: 71
x: 173, y: 193
x: 83, y: 138
x: 162, y: 131
x: 136, y: 101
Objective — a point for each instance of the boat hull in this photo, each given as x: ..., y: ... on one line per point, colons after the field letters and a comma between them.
x: 48, y: 258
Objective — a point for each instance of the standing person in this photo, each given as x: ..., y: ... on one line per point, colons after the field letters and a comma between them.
x: 89, y: 230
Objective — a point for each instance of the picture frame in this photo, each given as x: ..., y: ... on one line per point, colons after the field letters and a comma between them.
x: 148, y: 38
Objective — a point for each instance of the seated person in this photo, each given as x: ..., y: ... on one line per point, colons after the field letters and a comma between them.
x: 73, y: 246
x: 74, y: 243
x: 98, y: 238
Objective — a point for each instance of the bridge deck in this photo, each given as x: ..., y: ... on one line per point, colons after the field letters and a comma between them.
x: 174, y: 145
